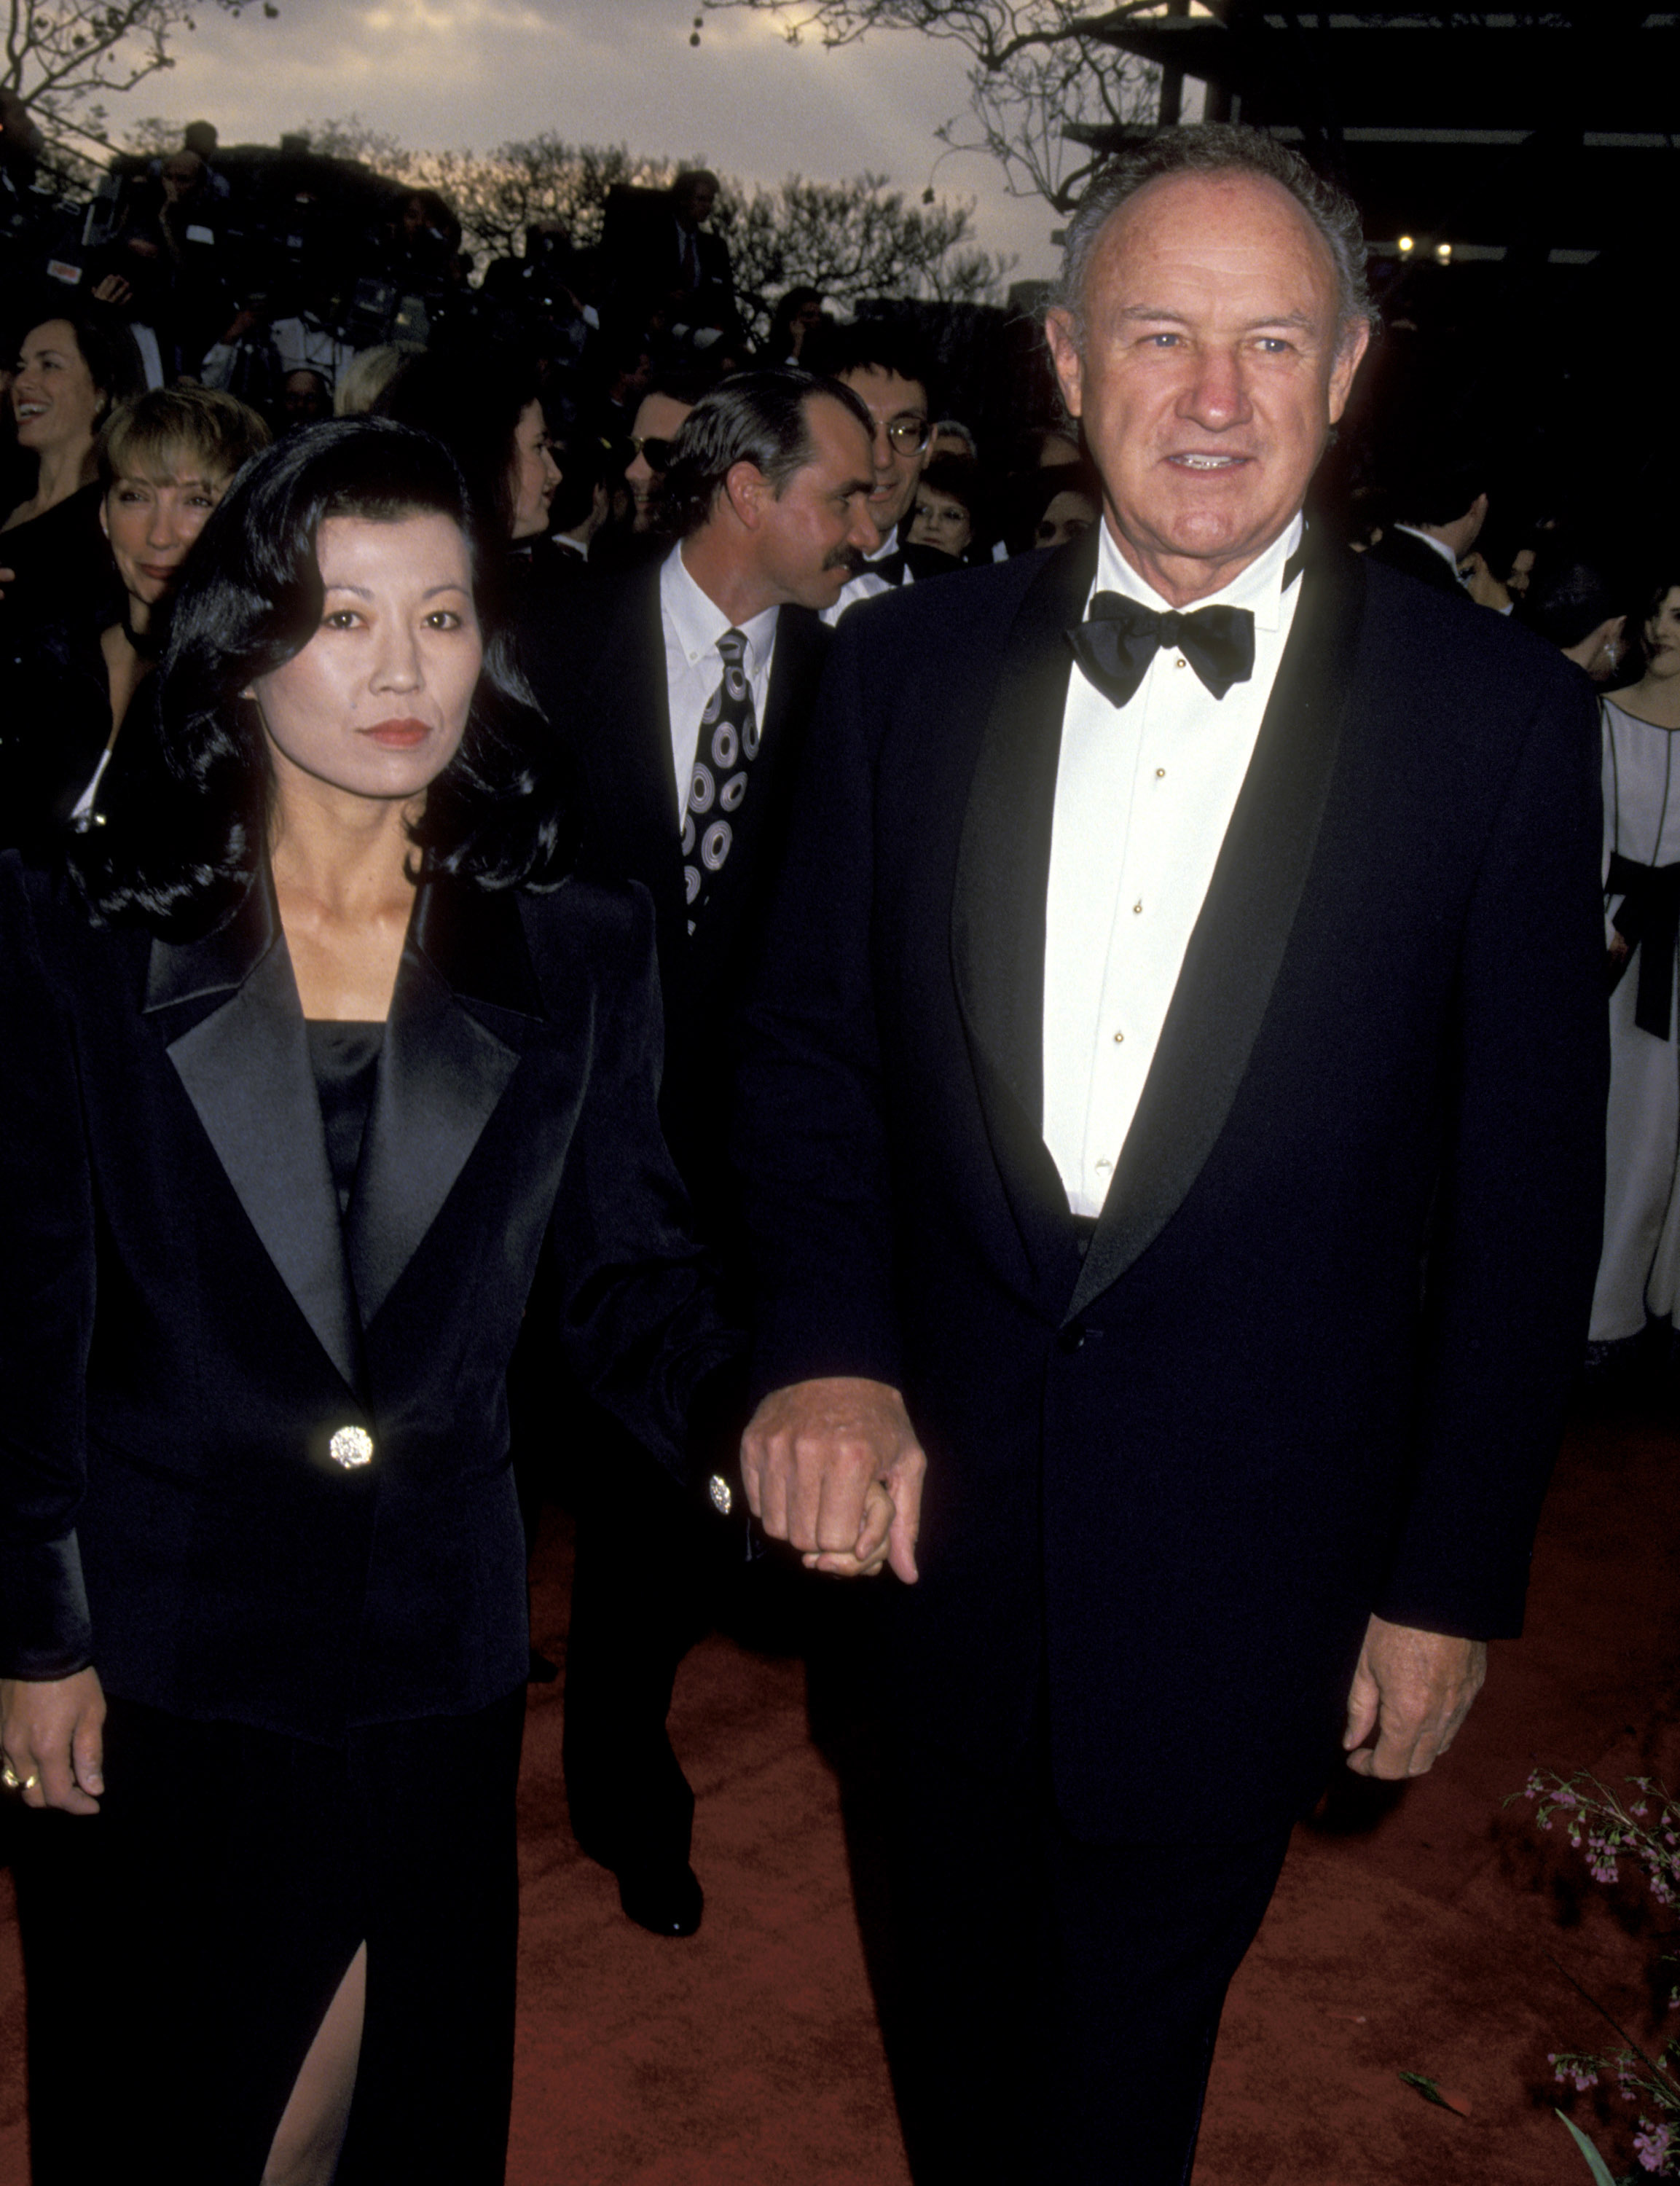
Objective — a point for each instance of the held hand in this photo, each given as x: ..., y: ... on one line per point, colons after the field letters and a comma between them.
x: 113, y: 289
x: 834, y: 1468
x: 1413, y: 1689
x: 51, y: 1732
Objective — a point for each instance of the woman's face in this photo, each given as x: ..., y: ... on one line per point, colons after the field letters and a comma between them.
x: 1662, y: 636
x: 1522, y: 568
x: 151, y: 521
x: 53, y: 398
x: 375, y: 704
x: 941, y: 521
x: 1066, y: 517
x: 535, y: 473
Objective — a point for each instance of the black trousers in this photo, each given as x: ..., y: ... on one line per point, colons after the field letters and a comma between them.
x: 181, y: 1947
x: 1051, y: 2007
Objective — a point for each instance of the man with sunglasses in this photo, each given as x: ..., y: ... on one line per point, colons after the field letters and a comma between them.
x: 891, y: 380
x: 659, y: 416
x: 682, y: 687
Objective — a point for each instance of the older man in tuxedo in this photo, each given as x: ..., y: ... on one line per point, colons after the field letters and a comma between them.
x: 684, y: 689
x: 1171, y: 1112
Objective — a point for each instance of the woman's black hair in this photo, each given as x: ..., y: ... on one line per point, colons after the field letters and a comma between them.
x: 473, y: 402
x: 1654, y: 590
x: 187, y: 806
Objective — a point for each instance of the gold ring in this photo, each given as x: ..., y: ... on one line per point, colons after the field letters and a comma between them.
x: 9, y: 1778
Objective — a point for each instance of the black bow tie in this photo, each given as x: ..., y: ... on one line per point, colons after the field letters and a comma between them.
x: 1115, y: 645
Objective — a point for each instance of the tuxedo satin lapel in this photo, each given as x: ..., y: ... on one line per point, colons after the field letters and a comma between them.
x: 246, y: 1070
x: 441, y: 1073
x: 1238, y: 943
x: 998, y: 903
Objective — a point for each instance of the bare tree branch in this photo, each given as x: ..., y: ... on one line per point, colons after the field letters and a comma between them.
x: 65, y: 58
x: 1039, y: 68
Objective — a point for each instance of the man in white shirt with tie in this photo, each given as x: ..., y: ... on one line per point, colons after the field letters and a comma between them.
x: 683, y: 688
x: 1180, y: 1039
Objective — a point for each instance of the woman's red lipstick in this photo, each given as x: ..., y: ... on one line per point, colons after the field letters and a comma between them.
x: 398, y: 736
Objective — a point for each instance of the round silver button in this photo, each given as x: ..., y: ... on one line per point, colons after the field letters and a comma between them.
x: 350, y: 1446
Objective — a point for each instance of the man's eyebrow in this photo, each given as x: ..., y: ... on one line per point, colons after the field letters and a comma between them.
x: 1303, y: 320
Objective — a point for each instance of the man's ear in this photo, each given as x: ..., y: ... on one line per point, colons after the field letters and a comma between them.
x: 745, y: 489
x: 1356, y: 338
x: 1063, y: 337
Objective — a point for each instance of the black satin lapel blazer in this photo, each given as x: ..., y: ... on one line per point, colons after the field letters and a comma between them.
x: 259, y: 1465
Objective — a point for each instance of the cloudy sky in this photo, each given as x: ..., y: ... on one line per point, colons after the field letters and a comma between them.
x: 454, y: 73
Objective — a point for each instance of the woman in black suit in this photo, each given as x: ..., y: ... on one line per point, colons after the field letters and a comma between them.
x: 311, y: 1055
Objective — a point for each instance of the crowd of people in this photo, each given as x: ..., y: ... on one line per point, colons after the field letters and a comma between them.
x: 559, y: 850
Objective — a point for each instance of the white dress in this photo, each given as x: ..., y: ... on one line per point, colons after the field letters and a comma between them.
x: 1639, y: 1274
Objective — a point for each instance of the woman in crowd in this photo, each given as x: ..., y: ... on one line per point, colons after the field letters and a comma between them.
x: 948, y: 515
x: 482, y: 405
x: 1052, y: 505
x: 164, y: 460
x: 795, y: 314
x: 1639, y: 1274
x: 69, y: 370
x: 324, y: 1056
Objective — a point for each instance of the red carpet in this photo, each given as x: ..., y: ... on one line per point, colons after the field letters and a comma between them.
x: 1416, y: 1934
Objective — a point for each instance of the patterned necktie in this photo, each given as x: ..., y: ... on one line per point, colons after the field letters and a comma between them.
x: 1115, y: 645
x: 728, y: 744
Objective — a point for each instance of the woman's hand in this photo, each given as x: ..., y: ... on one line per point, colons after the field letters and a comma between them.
x: 52, y: 1734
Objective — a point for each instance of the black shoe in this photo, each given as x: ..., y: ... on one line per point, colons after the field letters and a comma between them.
x: 666, y: 1901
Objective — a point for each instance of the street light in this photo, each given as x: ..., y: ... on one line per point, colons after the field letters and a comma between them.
x: 1408, y: 245
x: 1443, y: 252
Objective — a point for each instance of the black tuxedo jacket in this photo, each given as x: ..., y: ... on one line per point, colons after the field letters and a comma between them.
x: 599, y: 673
x: 185, y: 1321
x: 1312, y: 1361
x: 1405, y: 552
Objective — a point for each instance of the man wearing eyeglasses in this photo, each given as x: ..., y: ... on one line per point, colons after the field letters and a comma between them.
x: 682, y: 687
x: 891, y: 380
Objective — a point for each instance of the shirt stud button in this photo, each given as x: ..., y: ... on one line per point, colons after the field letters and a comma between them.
x: 350, y: 1446
x: 1161, y: 774
x: 1136, y: 908
x: 1118, y: 1038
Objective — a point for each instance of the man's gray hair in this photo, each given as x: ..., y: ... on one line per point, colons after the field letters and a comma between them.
x: 1220, y: 147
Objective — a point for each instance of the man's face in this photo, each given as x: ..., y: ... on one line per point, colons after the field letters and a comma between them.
x: 898, y: 406
x: 657, y: 418
x: 814, y: 534
x: 1209, y: 375
x: 696, y: 199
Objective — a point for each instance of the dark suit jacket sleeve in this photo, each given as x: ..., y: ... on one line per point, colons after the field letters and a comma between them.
x: 811, y: 1138
x: 1515, y: 1243
x: 640, y: 1323
x: 46, y: 1311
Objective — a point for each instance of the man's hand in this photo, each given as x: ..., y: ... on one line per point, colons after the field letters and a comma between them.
x: 1413, y: 1689
x: 51, y: 1731
x: 834, y: 1468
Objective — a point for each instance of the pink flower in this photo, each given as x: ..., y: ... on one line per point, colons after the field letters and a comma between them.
x: 1652, y: 2146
